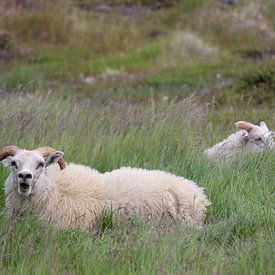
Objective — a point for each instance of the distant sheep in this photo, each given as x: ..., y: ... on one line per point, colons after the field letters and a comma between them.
x: 78, y: 195
x: 250, y: 139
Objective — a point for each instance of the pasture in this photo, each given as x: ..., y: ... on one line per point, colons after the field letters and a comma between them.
x: 152, y: 92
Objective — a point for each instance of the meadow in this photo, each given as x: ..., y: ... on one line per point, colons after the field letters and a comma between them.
x: 152, y: 91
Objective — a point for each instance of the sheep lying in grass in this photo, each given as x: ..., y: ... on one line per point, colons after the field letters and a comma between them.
x: 77, y: 195
x: 250, y: 138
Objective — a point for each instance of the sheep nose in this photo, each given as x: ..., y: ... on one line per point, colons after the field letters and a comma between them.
x: 25, y: 175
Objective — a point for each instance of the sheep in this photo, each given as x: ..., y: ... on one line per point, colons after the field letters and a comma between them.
x: 251, y: 138
x: 77, y: 196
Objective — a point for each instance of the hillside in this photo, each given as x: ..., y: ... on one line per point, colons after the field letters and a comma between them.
x: 147, y: 84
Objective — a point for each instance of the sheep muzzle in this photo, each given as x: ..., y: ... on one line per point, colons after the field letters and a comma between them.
x: 24, y: 187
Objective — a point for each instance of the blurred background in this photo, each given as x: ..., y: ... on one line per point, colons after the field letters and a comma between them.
x: 222, y: 50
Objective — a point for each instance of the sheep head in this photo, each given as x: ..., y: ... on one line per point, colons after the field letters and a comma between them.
x: 27, y: 166
x: 257, y: 137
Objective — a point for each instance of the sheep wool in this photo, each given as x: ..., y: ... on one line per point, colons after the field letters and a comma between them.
x: 251, y: 138
x: 77, y: 196
x: 228, y: 149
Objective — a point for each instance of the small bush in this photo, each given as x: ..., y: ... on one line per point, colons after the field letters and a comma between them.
x: 255, y: 87
x: 258, y: 86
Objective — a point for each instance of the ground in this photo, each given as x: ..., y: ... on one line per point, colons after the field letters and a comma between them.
x: 149, y: 85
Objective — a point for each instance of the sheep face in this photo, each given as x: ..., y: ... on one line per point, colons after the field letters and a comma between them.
x: 27, y: 167
x: 256, y: 137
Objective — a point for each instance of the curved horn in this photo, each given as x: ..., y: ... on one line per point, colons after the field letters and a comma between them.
x: 248, y: 126
x: 10, y: 150
x: 46, y: 151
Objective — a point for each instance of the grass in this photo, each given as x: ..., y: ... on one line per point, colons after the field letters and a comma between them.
x: 193, y: 70
x: 21, y: 76
x: 239, y: 233
x: 168, y: 47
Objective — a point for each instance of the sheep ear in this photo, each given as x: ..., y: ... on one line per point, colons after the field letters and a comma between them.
x: 7, y: 161
x: 263, y: 125
x: 244, y: 125
x: 53, y: 158
x: 272, y: 133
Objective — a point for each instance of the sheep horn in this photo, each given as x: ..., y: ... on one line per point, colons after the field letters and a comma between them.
x: 10, y: 150
x: 248, y: 126
x: 46, y: 151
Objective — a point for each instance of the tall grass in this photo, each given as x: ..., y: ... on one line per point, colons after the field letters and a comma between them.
x: 151, y: 124
x: 238, y: 237
x: 20, y: 77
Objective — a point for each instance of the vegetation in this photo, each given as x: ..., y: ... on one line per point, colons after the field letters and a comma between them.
x: 239, y: 231
x: 149, y: 85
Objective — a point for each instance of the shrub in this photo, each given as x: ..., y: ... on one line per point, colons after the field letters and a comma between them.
x: 258, y: 86
x: 253, y: 87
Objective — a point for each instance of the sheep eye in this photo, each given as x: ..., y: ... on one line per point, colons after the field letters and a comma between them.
x: 259, y: 139
x: 40, y: 165
x: 13, y: 164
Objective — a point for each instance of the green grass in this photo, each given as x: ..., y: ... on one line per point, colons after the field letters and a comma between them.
x: 134, y: 61
x: 238, y: 236
x: 21, y: 76
x: 153, y: 122
x: 68, y: 44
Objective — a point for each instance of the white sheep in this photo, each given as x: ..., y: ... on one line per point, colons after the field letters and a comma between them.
x: 251, y: 138
x: 78, y: 195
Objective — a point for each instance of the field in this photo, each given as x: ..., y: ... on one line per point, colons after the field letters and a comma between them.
x: 149, y: 85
